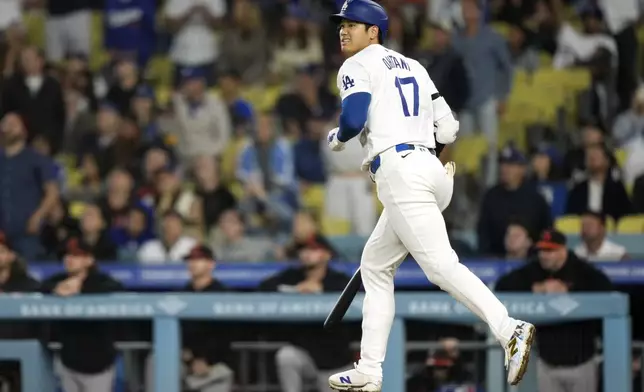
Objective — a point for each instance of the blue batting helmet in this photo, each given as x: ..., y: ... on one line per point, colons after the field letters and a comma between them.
x: 363, y: 11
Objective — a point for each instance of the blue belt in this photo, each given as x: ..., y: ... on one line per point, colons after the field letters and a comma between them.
x: 375, y: 164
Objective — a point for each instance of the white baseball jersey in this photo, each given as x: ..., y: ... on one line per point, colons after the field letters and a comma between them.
x: 401, y: 91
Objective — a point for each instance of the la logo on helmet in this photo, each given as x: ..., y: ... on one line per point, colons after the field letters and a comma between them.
x: 345, y: 5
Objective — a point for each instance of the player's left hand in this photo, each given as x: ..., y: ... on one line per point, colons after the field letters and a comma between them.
x: 332, y: 140
x: 450, y: 167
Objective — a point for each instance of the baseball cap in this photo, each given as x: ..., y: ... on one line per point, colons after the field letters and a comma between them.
x: 189, y: 73
x: 200, y: 252
x: 108, y: 105
x: 77, y: 247
x: 512, y: 155
x: 144, y: 91
x: 551, y: 239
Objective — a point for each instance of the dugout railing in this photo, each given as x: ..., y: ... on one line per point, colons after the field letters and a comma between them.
x: 166, y: 310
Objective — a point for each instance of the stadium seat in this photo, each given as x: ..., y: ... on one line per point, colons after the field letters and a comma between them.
x: 610, y: 224
x: 568, y: 224
x: 632, y: 224
x: 468, y: 152
x: 312, y: 198
x: 620, y: 156
x: 335, y: 227
x: 76, y: 209
x: 35, y: 25
x: 349, y: 246
x: 501, y: 28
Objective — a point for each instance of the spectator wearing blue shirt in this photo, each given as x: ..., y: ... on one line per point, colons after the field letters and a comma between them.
x: 29, y: 190
x: 130, y: 28
x: 138, y: 230
x: 266, y: 171
x: 143, y: 108
x: 309, y: 161
x: 488, y: 63
x: 241, y: 111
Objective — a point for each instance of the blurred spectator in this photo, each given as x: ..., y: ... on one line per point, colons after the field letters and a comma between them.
x: 575, y: 159
x: 232, y: 243
x: 310, y: 98
x: 41, y: 146
x: 304, y: 358
x: 442, y: 372
x: 94, y: 233
x: 102, y: 143
x: 67, y: 28
x: 265, y: 170
x: 514, y: 12
x: 77, y: 76
x: 575, y: 48
x: 58, y: 226
x: 126, y: 81
x: 29, y: 190
x: 566, y: 350
x: 130, y: 29
x: 138, y: 231
x: 446, y: 67
x: 638, y: 195
x: 240, y: 110
x: 214, y: 197
x: 511, y: 198
x: 37, y: 97
x: 206, y: 345
x: 595, y: 246
x: 308, y: 154
x: 14, y: 278
x: 628, y: 133
x: 155, y: 159
x: 546, y: 176
x: 305, y: 232
x: 118, y: 199
x: 172, y: 195
x: 207, y: 350
x: 487, y: 60
x: 13, y: 274
x: 87, y: 356
x: 143, y: 109
x: 12, y: 42
x: 246, y: 43
x: 11, y: 15
x: 171, y: 246
x: 80, y: 120
x: 621, y: 17
x: 398, y: 38
x: 517, y: 242
x: 203, y: 123
x: 297, y: 43
x: 602, y: 190
x: 196, y: 43
x: 349, y: 195
x: 524, y: 56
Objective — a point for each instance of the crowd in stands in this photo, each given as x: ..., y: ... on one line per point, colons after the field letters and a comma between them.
x: 151, y: 131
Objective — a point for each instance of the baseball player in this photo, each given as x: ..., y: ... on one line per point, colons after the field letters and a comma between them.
x: 391, y: 104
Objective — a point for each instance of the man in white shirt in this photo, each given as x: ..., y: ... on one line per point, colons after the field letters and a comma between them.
x: 171, y: 247
x: 196, y: 42
x: 595, y: 246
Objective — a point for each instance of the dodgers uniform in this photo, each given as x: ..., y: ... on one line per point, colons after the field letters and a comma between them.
x: 393, y: 107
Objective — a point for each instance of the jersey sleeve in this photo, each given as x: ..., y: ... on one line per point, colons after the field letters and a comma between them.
x: 353, y: 78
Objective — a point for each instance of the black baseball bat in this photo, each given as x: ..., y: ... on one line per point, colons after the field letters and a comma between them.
x: 344, y: 301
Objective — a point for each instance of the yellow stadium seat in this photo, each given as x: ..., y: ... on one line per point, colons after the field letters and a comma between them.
x: 98, y: 55
x: 610, y: 224
x: 468, y: 152
x: 501, y: 28
x: 163, y: 95
x: 263, y: 98
x: 568, y: 224
x: 35, y: 24
x: 312, y: 198
x: 76, y: 209
x: 335, y: 227
x: 160, y: 70
x: 632, y: 224
x: 620, y: 156
x: 229, y: 157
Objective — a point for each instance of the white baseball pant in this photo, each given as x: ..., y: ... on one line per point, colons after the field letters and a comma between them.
x: 414, y: 189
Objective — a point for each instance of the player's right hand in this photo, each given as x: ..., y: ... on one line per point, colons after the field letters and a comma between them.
x: 332, y: 140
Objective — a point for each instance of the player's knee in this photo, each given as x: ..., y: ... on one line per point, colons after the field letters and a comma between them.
x: 288, y: 356
x: 445, y: 266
